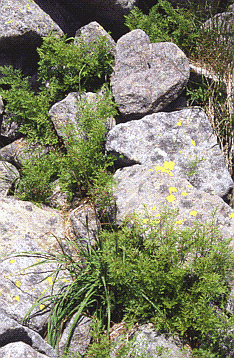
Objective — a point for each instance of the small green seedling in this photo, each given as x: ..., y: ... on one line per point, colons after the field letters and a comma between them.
x: 192, y: 166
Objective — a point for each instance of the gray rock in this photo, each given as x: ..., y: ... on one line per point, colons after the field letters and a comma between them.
x: 184, y: 138
x: 80, y: 337
x: 65, y: 115
x: 93, y: 31
x: 20, y: 17
x: 1, y: 111
x: 22, y: 25
x: 20, y: 150
x: 146, y: 188
x: 20, y: 218
x: 1, y: 105
x: 143, y: 341
x: 11, y: 331
x: 58, y: 198
x: 231, y: 7
x: 26, y: 228
x: 9, y: 127
x: 19, y: 350
x: 85, y: 224
x: 155, y: 345
x: 24, y: 282
x: 147, y: 76
x: 8, y: 176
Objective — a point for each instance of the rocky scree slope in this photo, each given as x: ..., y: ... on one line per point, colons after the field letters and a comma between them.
x: 163, y: 157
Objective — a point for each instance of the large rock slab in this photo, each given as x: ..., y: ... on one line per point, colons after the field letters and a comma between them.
x: 184, y: 138
x: 27, y: 228
x: 147, y: 76
x: 19, y: 219
x: 145, y: 189
x: 20, y: 17
x: 22, y: 25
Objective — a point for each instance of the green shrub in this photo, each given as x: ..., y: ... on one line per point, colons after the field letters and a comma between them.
x: 63, y: 67
x: 183, y: 26
x: 28, y: 109
x: 85, y: 163
x: 164, y: 23
x: 37, y: 177
x: 79, y: 66
x: 152, y: 271
x: 82, y: 167
x: 171, y: 276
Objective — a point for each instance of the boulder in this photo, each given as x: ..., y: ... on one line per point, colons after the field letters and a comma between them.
x: 147, y: 76
x: 19, y: 350
x: 27, y: 228
x: 146, y: 188
x: 85, y: 224
x: 92, y: 32
x: 11, y: 331
x: 65, y: 115
x: 155, y: 344
x: 80, y: 338
x: 24, y: 282
x: 10, y: 127
x: 143, y: 340
x: 22, y: 25
x: 72, y: 14
x: 19, y: 219
x: 1, y: 112
x: 8, y: 177
x: 184, y: 138
x: 21, y: 150
x: 21, y: 17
